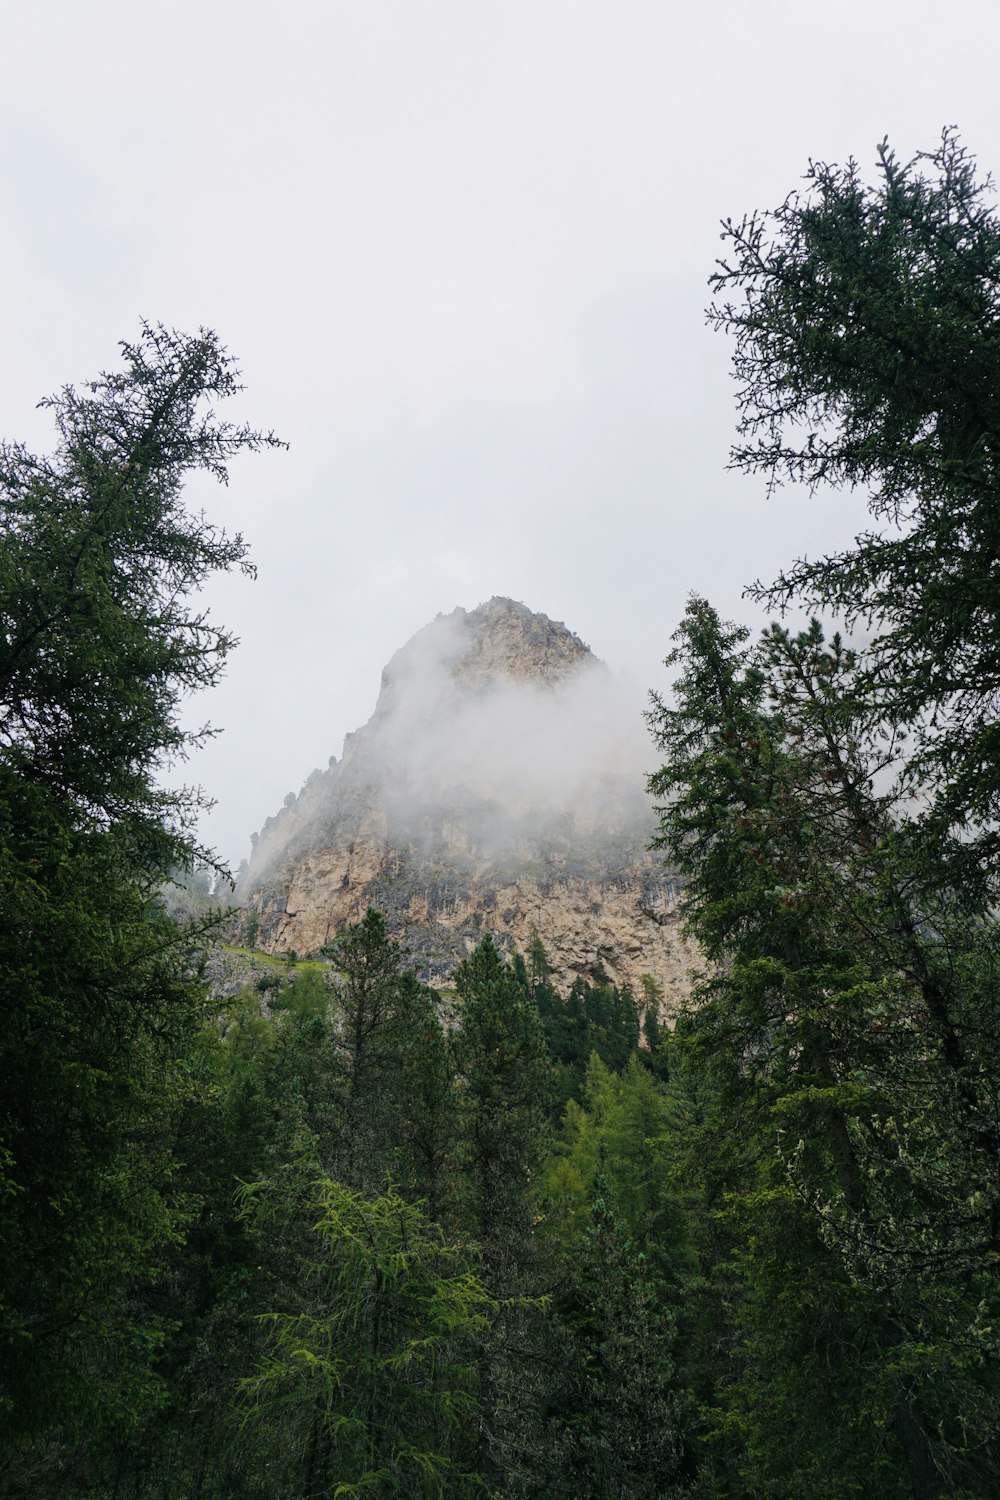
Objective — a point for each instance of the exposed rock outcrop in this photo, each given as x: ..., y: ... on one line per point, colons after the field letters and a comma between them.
x: 498, y: 787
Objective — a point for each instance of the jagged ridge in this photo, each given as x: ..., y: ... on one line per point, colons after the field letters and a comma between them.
x: 497, y: 786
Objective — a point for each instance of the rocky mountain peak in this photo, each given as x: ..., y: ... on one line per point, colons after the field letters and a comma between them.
x: 503, y: 639
x: 477, y: 650
x: 499, y: 785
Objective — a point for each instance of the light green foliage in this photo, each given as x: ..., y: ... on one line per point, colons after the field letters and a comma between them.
x: 369, y: 1389
x: 306, y: 997
x: 617, y: 1143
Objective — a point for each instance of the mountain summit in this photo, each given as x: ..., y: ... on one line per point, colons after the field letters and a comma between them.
x: 498, y: 786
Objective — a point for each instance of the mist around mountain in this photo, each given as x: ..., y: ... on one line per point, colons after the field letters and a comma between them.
x: 497, y: 719
x: 499, y: 786
x: 314, y: 1226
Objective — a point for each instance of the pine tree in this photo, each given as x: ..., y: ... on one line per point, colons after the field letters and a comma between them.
x: 391, y: 1065
x: 503, y: 1091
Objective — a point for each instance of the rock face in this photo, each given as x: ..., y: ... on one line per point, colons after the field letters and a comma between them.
x: 498, y: 786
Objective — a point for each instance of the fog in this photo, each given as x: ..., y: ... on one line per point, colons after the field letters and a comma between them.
x: 495, y: 732
x: 516, y: 756
x: 460, y: 252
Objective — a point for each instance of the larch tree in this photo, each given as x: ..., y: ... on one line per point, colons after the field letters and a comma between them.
x: 100, y: 640
x: 866, y: 320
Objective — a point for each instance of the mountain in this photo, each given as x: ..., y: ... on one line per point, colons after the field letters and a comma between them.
x: 498, y: 786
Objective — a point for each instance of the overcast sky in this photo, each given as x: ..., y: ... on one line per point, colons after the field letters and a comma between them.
x: 460, y: 250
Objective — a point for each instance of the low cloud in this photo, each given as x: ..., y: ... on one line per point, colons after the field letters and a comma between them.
x: 501, y: 739
x: 512, y: 756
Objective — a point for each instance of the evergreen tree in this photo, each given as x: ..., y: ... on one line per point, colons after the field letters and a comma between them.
x: 591, y: 1018
x: 865, y: 319
x: 615, y: 1417
x: 503, y: 1083
x: 826, y: 1022
x: 390, y: 1060
x: 503, y: 1092
x: 425, y: 1122
x: 98, y: 644
x: 367, y: 1387
x: 619, y: 1415
x: 210, y: 1286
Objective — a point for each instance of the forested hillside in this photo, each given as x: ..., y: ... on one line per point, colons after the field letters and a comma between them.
x: 343, y: 1234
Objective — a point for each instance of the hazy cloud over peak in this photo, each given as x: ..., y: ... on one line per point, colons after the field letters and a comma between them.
x: 460, y: 251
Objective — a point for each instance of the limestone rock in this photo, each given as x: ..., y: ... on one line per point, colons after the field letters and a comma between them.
x: 498, y: 786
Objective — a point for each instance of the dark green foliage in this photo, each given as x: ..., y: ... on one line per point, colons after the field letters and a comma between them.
x: 292, y: 1244
x: 208, y: 1294
x: 86, y: 1110
x: 304, y: 1332
x: 829, y: 1022
x: 375, y: 1010
x: 616, y: 1419
x: 592, y: 1018
x: 336, y: 1237
x: 425, y: 1124
x: 500, y: 1052
x: 100, y: 558
x: 867, y: 326
x: 503, y: 1087
x: 655, y: 1052
x: 98, y: 644
x: 838, y: 810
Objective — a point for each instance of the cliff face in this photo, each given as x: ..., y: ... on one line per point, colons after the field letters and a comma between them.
x: 498, y: 787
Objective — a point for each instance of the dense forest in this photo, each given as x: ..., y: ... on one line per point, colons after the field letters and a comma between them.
x: 339, y: 1234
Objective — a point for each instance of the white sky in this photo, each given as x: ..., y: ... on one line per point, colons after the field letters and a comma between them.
x: 460, y: 249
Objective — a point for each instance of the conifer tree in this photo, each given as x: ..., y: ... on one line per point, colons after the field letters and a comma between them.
x: 99, y: 642
x: 825, y: 1022
x: 865, y: 318
x: 390, y: 1067
x: 503, y: 1083
x: 503, y: 1077
x: 368, y: 1383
